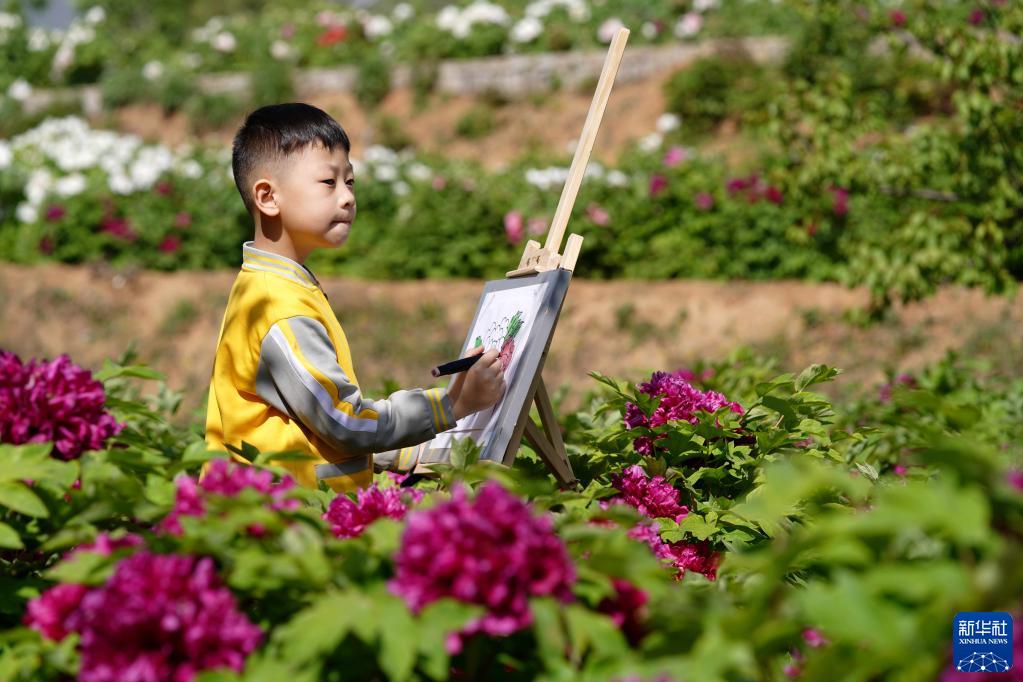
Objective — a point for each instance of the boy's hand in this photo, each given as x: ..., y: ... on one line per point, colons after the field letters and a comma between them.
x: 479, y: 387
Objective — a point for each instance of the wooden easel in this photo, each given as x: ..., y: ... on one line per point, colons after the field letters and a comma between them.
x: 546, y: 438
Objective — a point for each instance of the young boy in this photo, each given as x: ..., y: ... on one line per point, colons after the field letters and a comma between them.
x: 283, y: 376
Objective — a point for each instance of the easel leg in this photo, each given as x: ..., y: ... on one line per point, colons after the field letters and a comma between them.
x: 548, y: 443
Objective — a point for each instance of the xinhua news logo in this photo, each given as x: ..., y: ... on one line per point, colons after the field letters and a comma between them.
x: 982, y: 642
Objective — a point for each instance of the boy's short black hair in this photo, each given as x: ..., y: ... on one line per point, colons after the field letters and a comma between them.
x: 273, y: 132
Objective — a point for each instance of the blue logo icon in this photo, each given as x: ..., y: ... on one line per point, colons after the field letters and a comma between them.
x: 982, y: 642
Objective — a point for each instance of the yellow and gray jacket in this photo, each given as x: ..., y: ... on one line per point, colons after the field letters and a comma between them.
x: 283, y: 380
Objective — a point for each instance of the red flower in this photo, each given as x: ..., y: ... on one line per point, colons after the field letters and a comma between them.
x: 163, y: 188
x: 46, y: 245
x: 977, y: 17
x: 658, y: 183
x: 811, y: 228
x: 119, y: 227
x: 773, y: 194
x: 841, y: 203
x: 170, y: 244
x: 898, y: 18
x: 55, y: 212
x: 704, y: 201
x: 334, y: 34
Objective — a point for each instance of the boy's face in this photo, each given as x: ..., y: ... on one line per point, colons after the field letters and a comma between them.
x: 316, y: 197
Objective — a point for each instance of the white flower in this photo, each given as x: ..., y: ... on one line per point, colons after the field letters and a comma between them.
x: 63, y: 58
x: 400, y: 188
x: 526, y: 30
x: 19, y: 90
x: 651, y: 142
x: 280, y: 50
x: 403, y: 11
x: 9, y: 21
x: 460, y: 22
x: 577, y: 9
x: 667, y: 122
x: 224, y: 42
x: 378, y: 154
x: 385, y: 173
x: 377, y: 26
x: 153, y: 70
x: 70, y: 185
x: 120, y: 184
x: 191, y: 169
x: 649, y: 30
x: 616, y: 178
x: 419, y: 172
x: 95, y: 15
x: 448, y: 17
x: 689, y: 25
x: 6, y: 155
x: 608, y: 29
x: 27, y: 213
x: 704, y: 5
x: 38, y: 39
x: 39, y: 184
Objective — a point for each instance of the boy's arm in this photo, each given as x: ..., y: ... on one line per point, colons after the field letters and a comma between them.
x: 299, y: 375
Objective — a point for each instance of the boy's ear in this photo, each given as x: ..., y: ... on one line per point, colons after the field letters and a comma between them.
x: 264, y: 195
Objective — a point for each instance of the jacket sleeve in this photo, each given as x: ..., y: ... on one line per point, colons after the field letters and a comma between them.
x: 299, y: 374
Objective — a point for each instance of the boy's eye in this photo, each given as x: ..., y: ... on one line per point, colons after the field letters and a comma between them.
x: 351, y: 183
x: 329, y: 181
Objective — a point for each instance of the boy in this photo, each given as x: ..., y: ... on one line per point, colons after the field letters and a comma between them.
x: 282, y: 375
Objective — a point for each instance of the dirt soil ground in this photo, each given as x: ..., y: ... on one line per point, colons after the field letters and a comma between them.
x: 399, y: 330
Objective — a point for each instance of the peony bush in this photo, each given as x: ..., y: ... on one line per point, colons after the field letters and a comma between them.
x: 763, y: 520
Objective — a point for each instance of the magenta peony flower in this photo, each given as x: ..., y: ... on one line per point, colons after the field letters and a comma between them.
x: 1015, y: 479
x: 54, y: 401
x: 625, y: 608
x: 683, y: 556
x: 652, y: 497
x: 514, y: 227
x: 227, y: 479
x: 120, y: 228
x: 161, y: 617
x: 182, y: 219
x: 680, y: 401
x: 774, y: 195
x: 491, y: 551
x: 814, y: 638
x: 704, y: 201
x: 348, y: 518
x: 106, y: 545
x: 48, y: 613
x: 841, y: 203
x: 674, y: 156
x: 46, y: 245
x: 898, y: 18
x: 658, y: 183
x: 884, y: 393
x: 55, y: 212
x: 976, y: 17
x: 170, y: 244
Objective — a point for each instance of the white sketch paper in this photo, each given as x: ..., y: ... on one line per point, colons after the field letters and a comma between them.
x: 505, y: 323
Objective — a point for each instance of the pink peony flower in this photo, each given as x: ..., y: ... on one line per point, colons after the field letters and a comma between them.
x: 106, y: 545
x: 814, y: 638
x: 48, y: 613
x: 674, y: 156
x: 680, y: 401
x: 170, y: 244
x: 976, y: 17
x: 897, y: 17
x: 54, y: 401
x: 537, y: 226
x: 625, y: 608
x: 438, y: 182
x: 899, y: 470
x: 161, y: 617
x: 597, y: 215
x: 288, y: 31
x: 514, y: 227
x: 490, y: 550
x: 348, y: 518
x: 55, y: 212
x: 840, y: 206
x: 653, y: 497
x: 658, y: 183
x: 1015, y: 479
x: 704, y: 201
x: 182, y: 219
x: 227, y: 479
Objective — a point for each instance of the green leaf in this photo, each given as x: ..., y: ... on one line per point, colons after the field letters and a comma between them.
x: 319, y: 629
x: 779, y: 405
x: 112, y: 370
x: 22, y: 499
x: 815, y: 374
x: 9, y: 537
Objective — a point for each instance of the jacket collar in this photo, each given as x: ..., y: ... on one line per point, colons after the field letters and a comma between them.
x: 265, y: 261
